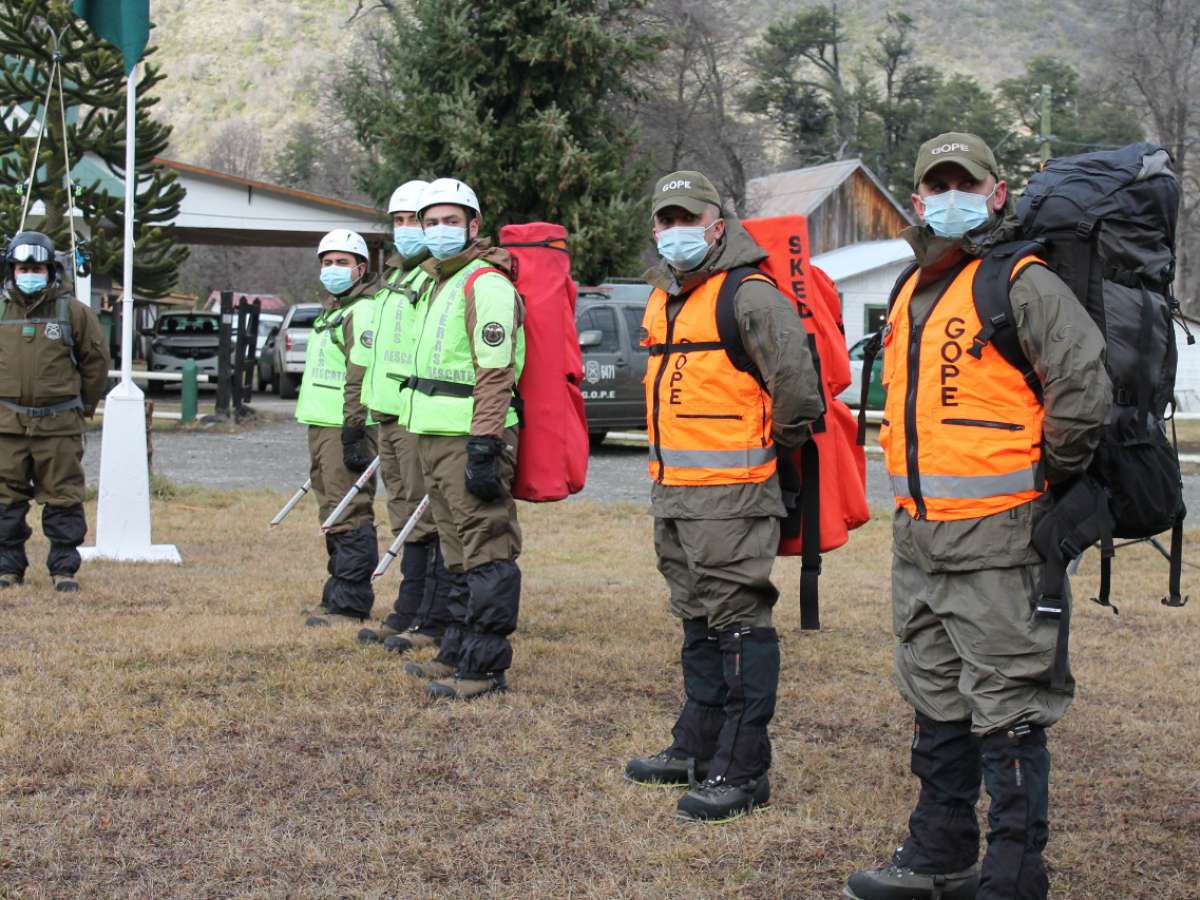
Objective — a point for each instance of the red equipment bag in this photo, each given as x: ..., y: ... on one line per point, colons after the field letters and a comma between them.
x: 832, y: 460
x: 552, y: 454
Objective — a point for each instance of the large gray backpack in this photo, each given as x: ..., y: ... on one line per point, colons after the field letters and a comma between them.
x: 1105, y: 223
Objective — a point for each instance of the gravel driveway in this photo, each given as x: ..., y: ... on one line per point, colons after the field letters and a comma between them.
x: 274, y: 455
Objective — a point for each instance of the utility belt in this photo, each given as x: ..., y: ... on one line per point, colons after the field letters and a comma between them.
x: 42, y: 412
x: 436, y: 387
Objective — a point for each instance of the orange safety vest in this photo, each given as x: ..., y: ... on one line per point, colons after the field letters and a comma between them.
x: 708, y: 422
x: 962, y: 437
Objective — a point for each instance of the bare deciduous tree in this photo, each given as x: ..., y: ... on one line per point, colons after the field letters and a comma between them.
x: 1157, y: 45
x: 690, y: 113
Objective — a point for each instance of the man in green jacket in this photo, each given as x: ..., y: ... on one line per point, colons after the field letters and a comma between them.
x: 469, y: 351
x: 53, y: 372
x: 340, y: 445
x: 382, y: 359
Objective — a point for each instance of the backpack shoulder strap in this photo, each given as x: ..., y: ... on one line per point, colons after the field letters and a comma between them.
x: 872, y: 348
x: 63, y: 314
x: 989, y: 291
x: 727, y: 326
x: 469, y: 287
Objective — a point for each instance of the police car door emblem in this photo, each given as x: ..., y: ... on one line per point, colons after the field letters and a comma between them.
x: 493, y: 334
x: 53, y: 331
x: 592, y: 371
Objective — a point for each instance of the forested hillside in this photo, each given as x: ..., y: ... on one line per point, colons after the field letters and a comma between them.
x: 268, y: 65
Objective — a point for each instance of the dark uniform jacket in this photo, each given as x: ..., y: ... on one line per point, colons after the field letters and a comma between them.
x: 776, y: 341
x: 1067, y: 351
x: 36, y: 365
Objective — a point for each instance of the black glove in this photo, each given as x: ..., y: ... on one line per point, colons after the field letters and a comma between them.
x: 352, y: 455
x: 483, y: 467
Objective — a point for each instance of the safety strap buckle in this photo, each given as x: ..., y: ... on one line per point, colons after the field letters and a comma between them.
x: 1068, y: 549
x: 984, y: 337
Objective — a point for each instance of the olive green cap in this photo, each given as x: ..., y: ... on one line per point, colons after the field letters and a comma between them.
x: 690, y: 190
x: 959, y: 147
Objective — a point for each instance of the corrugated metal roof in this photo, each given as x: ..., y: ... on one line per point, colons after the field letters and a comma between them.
x: 857, y: 259
x: 800, y: 191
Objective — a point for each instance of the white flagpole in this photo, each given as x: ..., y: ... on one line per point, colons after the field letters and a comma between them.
x: 130, y: 192
x: 123, y: 507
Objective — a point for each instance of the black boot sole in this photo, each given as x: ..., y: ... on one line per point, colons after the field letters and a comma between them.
x: 726, y: 820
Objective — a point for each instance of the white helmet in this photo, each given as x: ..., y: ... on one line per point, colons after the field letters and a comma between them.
x: 406, y: 198
x: 344, y: 240
x: 448, y: 190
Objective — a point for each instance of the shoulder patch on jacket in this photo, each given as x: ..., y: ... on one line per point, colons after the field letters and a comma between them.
x: 493, y: 334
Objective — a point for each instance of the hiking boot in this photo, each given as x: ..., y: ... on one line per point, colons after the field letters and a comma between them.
x: 410, y: 640
x: 378, y: 635
x: 65, y: 584
x: 716, y: 801
x: 431, y: 670
x: 465, y: 689
x: 897, y: 882
x: 10, y: 579
x: 329, y: 618
x: 666, y: 769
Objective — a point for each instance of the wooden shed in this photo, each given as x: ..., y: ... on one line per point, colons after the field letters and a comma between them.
x: 844, y: 203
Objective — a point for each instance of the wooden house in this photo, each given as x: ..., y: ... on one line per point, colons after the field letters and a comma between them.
x: 844, y: 202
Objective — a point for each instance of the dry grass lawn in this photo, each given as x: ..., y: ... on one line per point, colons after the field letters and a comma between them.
x: 177, y: 732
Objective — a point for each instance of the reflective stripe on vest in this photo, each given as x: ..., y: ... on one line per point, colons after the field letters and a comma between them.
x: 708, y: 422
x: 715, y: 459
x: 973, y: 487
x: 961, y: 436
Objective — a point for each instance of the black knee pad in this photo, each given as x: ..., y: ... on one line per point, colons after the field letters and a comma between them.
x: 64, y: 524
x: 495, y: 597
x: 13, y: 528
x: 943, y: 829
x: 356, y: 554
x: 1016, y: 770
x: 750, y: 659
x: 701, y: 660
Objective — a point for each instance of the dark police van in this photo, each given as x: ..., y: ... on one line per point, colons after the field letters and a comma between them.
x: 609, y: 318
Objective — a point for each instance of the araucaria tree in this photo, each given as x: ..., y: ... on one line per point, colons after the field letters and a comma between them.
x: 93, y: 84
x: 517, y: 98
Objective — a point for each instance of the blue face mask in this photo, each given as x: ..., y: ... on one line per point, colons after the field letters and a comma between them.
x: 443, y: 241
x: 409, y: 240
x: 683, y: 246
x: 337, y: 279
x: 952, y: 214
x: 30, y: 283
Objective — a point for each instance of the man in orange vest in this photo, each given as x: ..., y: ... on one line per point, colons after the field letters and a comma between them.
x: 976, y: 455
x: 714, y: 429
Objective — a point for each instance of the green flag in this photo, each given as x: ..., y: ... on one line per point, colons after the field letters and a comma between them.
x: 125, y: 23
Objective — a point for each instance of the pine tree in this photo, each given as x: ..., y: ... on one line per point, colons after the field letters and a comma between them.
x: 516, y: 98
x: 93, y: 84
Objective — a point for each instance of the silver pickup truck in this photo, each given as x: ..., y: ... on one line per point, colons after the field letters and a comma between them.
x: 287, y: 349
